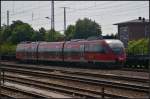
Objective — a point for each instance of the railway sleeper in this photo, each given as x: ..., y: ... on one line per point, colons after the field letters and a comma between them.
x: 57, y: 88
x: 28, y: 94
x: 85, y: 80
x: 79, y: 73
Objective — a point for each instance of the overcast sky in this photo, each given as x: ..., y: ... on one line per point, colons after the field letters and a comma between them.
x: 105, y: 13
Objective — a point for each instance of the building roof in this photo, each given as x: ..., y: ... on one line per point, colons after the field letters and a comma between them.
x: 133, y: 21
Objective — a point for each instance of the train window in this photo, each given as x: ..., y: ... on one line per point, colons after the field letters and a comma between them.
x: 86, y: 47
x: 95, y: 48
x: 117, y: 47
x: 117, y: 50
x: 81, y: 48
x: 20, y: 48
x: 67, y: 50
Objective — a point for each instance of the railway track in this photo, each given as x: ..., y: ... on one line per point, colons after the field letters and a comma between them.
x: 126, y: 68
x: 75, y: 72
x: 81, y: 79
x: 134, y: 69
x: 90, y: 81
x: 14, y: 93
x: 75, y: 92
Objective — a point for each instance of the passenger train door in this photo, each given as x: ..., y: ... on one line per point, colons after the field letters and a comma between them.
x: 82, y: 52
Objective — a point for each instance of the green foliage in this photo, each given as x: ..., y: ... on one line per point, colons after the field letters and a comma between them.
x: 86, y: 28
x: 138, y: 47
x: 5, y: 33
x: 53, y: 35
x: 42, y: 33
x: 39, y: 35
x: 7, y: 48
x: 16, y: 32
x: 70, y: 32
x: 21, y: 32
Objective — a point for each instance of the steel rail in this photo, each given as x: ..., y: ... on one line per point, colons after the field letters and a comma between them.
x: 122, y: 69
x: 79, y: 79
x: 134, y: 69
x: 34, y: 95
x: 79, y: 73
x: 6, y: 96
x: 62, y: 88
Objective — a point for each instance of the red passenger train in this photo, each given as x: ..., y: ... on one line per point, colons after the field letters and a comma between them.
x: 99, y: 52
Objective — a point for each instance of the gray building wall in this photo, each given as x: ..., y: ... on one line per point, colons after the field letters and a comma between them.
x: 129, y: 32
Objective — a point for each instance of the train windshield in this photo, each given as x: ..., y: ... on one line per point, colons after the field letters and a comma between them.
x: 117, y: 50
x: 116, y: 46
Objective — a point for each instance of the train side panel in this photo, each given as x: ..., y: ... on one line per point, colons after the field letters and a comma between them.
x: 27, y: 51
x: 97, y: 51
x: 50, y: 51
x: 74, y: 51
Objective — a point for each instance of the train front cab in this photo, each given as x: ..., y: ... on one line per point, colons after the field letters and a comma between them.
x: 96, y: 52
x: 118, y: 50
x: 105, y: 53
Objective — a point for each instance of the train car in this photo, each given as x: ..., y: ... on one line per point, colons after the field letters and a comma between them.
x: 50, y: 51
x: 27, y: 51
x: 74, y: 51
x: 101, y: 52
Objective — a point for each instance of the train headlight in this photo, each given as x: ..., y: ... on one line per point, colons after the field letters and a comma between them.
x: 120, y: 58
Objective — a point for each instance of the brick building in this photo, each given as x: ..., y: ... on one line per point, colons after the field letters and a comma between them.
x: 133, y: 30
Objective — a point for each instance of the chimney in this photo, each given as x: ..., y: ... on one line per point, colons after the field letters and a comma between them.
x: 143, y: 19
x: 140, y: 18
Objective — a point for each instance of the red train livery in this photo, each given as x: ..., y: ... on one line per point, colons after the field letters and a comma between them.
x: 89, y: 51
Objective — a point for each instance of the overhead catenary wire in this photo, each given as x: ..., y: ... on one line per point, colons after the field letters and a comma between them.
x: 71, y: 12
x: 86, y: 8
x: 124, y: 13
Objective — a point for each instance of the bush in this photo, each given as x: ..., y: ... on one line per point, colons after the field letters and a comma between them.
x: 138, y: 47
x: 7, y: 49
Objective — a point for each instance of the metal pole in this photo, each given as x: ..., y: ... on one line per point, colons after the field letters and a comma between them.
x: 64, y: 19
x: 149, y: 51
x: 7, y: 18
x: 0, y: 74
x: 0, y: 79
x: 52, y: 18
x: 0, y: 71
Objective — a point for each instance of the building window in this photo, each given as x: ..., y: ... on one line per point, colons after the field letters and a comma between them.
x: 124, y: 36
x: 146, y: 31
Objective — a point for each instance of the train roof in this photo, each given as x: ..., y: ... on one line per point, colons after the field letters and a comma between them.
x: 114, y: 42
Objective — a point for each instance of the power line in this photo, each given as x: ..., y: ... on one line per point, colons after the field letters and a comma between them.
x: 72, y: 8
x: 119, y: 13
x: 95, y: 8
x: 107, y: 13
x: 101, y: 8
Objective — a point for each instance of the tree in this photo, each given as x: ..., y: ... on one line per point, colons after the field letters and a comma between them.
x: 39, y: 35
x: 53, y: 35
x: 69, y: 32
x: 86, y: 28
x: 36, y: 36
x: 21, y: 32
x: 5, y: 33
x: 42, y: 33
